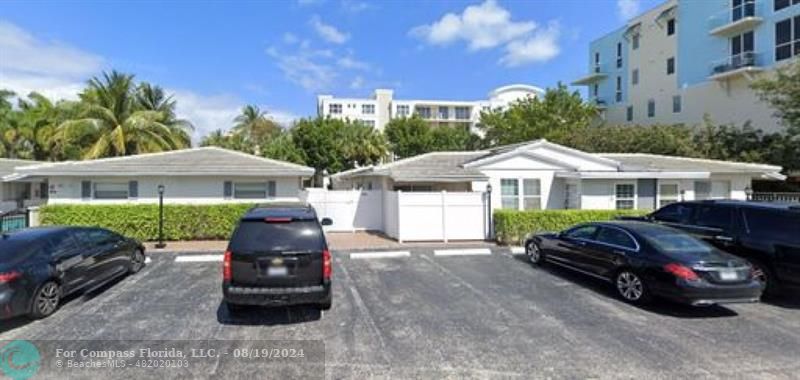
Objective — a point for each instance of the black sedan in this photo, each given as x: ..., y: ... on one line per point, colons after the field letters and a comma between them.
x: 39, y: 266
x: 643, y: 260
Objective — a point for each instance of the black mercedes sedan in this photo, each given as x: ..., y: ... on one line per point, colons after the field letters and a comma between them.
x: 40, y: 266
x: 643, y: 260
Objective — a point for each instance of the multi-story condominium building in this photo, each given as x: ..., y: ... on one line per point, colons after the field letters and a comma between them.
x: 382, y: 107
x: 690, y: 58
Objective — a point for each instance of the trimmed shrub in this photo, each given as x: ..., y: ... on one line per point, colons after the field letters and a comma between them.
x: 181, y: 222
x: 512, y: 227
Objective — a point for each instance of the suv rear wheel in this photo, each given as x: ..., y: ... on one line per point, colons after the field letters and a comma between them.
x: 765, y: 276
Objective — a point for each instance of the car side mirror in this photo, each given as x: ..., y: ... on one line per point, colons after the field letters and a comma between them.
x: 326, y: 221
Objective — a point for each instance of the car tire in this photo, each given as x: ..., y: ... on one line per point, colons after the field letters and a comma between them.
x: 137, y: 261
x: 534, y: 253
x: 631, y: 287
x: 46, y: 300
x: 764, y: 274
x: 326, y: 305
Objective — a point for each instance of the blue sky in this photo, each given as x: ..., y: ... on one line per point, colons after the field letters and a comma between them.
x: 217, y: 56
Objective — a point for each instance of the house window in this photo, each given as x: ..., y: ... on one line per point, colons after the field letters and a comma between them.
x: 402, y: 110
x: 670, y: 65
x: 780, y: 4
x: 335, y: 108
x: 668, y: 193
x: 625, y: 196
x: 509, y: 193
x: 712, y: 190
x: 531, y: 194
x: 424, y: 112
x: 742, y: 47
x: 651, y: 108
x: 671, y: 27
x: 787, y: 38
x: 252, y: 190
x: 597, y: 62
x: 111, y: 190
x: 368, y: 109
x: 635, y: 77
x: 444, y: 113
x: 676, y: 104
x: 635, y: 41
x: 629, y: 113
x: 619, y: 89
x: 462, y: 113
x: 619, y: 54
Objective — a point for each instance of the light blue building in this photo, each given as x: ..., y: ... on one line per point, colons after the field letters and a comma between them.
x: 688, y: 58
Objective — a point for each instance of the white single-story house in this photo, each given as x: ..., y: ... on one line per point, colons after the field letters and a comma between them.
x: 544, y: 175
x: 14, y: 195
x: 206, y: 175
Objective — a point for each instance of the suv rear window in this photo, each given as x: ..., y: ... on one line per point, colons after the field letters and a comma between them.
x: 781, y: 225
x: 253, y: 236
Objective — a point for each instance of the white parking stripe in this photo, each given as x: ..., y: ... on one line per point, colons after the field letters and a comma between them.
x: 462, y: 252
x: 198, y: 258
x: 379, y: 255
x: 516, y: 250
x: 148, y: 260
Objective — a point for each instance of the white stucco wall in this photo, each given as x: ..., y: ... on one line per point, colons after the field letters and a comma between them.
x: 182, y: 190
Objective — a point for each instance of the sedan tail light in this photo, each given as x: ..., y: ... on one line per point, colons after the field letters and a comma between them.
x: 226, y: 266
x: 7, y: 277
x: 681, y: 271
x: 327, y: 268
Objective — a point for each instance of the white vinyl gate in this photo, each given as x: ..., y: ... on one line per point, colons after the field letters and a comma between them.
x: 405, y: 216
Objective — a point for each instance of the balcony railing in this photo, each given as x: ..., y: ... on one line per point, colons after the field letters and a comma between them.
x: 599, y: 103
x: 736, y: 62
x: 737, y: 19
x: 777, y: 197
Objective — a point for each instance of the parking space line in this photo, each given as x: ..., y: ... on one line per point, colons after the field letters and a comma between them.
x: 198, y: 258
x: 517, y: 250
x: 462, y: 252
x: 148, y: 260
x: 379, y: 255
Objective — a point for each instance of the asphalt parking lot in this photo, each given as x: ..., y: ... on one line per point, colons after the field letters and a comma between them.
x: 426, y: 314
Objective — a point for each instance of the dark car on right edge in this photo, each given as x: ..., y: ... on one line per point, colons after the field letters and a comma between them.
x: 766, y: 234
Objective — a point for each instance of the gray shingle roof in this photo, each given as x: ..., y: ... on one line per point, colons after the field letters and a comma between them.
x: 7, y: 165
x: 434, y: 167
x: 186, y: 162
x: 654, y: 162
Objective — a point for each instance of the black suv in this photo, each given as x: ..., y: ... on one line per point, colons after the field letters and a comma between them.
x: 278, y: 256
x: 767, y: 234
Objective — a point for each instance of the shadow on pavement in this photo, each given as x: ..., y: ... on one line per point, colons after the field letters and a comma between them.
x: 783, y: 301
x: 263, y: 316
x: 659, y: 306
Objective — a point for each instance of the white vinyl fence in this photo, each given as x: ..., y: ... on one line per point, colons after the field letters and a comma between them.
x: 405, y: 216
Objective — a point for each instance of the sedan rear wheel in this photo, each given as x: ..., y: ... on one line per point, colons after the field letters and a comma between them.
x: 631, y: 287
x: 46, y: 300
x: 534, y: 253
x: 137, y: 261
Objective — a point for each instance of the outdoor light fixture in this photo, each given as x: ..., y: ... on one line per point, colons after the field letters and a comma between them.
x: 748, y: 193
x: 683, y: 195
x: 160, y: 244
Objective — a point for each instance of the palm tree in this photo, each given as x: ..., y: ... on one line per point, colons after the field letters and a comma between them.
x: 254, y: 125
x: 117, y: 124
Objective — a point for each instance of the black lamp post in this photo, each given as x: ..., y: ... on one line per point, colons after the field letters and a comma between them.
x: 683, y: 195
x: 160, y: 244
x: 748, y: 193
x: 489, y: 206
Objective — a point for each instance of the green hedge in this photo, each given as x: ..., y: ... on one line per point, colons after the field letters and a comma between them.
x: 511, y: 227
x: 181, y: 222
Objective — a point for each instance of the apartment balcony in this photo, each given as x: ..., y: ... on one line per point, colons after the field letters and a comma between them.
x: 598, y: 72
x: 743, y: 64
x: 599, y: 103
x: 737, y: 20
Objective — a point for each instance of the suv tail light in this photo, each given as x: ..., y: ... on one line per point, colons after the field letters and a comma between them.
x: 681, y: 271
x: 9, y: 276
x: 226, y: 266
x: 327, y: 268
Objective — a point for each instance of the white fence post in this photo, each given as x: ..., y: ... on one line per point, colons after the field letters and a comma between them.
x: 444, y: 215
x: 399, y: 216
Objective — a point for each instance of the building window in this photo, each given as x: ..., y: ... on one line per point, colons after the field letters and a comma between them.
x: 444, y: 113
x: 402, y: 110
x: 635, y: 41
x: 742, y: 8
x: 670, y: 65
x: 671, y: 27
x: 619, y: 54
x: 742, y: 47
x: 712, y: 190
x: 676, y: 104
x: 787, y: 38
x: 368, y: 109
x: 335, y: 108
x: 595, y: 89
x: 625, y: 196
x: 629, y: 113
x: 668, y: 193
x: 780, y: 4
x: 531, y: 194
x: 369, y: 123
x: 111, y: 190
x: 249, y: 190
x: 509, y: 193
x: 597, y: 62
x: 424, y: 112
x: 635, y: 77
x: 651, y: 108
x: 619, y: 89
x: 462, y: 113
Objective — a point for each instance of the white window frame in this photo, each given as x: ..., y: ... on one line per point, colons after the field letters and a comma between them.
x: 525, y: 196
x: 443, y: 113
x: 793, y: 39
x: 635, y: 195
x: 660, y: 197
x: 403, y: 110
x: 517, y: 197
x: 368, y: 109
x: 124, y: 185
x: 711, y: 188
x: 464, y: 111
x: 237, y: 184
x: 335, y: 108
x: 427, y: 114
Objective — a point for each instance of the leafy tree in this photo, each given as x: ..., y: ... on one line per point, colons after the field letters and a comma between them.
x: 413, y: 136
x: 556, y: 113
x: 254, y: 124
x: 782, y: 92
x: 229, y: 141
x: 282, y: 147
x: 675, y: 140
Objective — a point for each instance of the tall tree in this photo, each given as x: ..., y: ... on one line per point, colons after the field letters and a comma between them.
x: 409, y: 137
x: 782, y: 92
x: 253, y: 124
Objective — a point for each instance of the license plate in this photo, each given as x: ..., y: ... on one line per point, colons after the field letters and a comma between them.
x: 728, y: 275
x: 277, y: 271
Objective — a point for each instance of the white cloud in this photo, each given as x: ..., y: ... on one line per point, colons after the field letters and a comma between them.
x: 328, y: 32
x: 357, y: 83
x: 303, y: 3
x: 482, y: 26
x: 355, y: 6
x: 305, y: 68
x: 290, y: 39
x: 539, y: 47
x: 628, y: 9
x: 349, y: 62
